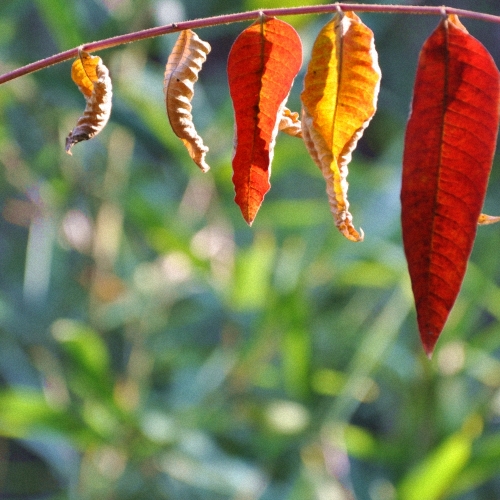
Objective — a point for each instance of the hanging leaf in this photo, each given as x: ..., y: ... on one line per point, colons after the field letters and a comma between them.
x: 338, y: 101
x: 181, y: 73
x: 290, y: 123
x: 262, y: 63
x: 93, y: 80
x: 449, y: 146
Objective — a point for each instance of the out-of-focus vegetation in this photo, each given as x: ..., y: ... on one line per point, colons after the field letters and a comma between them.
x: 154, y: 346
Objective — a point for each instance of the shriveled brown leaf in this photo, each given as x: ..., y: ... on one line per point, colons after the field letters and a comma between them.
x: 181, y: 73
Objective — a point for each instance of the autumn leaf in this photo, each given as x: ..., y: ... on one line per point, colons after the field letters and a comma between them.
x: 262, y: 63
x: 449, y: 146
x: 92, y: 78
x: 338, y: 101
x: 484, y: 219
x: 290, y: 123
x: 181, y: 73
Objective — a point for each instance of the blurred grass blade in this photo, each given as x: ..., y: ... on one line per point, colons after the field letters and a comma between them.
x: 431, y: 478
x: 376, y: 340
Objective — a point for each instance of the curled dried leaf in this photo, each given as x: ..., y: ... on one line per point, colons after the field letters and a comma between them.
x: 484, y: 219
x: 92, y: 78
x: 290, y: 123
x: 181, y: 73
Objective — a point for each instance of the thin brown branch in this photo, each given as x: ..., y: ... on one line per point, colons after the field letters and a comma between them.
x: 240, y: 17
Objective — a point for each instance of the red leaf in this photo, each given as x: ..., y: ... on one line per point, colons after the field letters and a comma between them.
x: 264, y: 60
x: 449, y: 147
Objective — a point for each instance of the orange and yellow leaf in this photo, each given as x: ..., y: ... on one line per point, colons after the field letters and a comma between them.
x: 338, y: 101
x: 92, y: 78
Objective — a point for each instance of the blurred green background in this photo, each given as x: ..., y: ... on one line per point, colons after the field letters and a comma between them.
x: 152, y: 346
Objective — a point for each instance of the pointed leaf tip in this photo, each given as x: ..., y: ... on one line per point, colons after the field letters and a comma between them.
x: 181, y: 73
x: 429, y: 341
x: 455, y: 114
x: 338, y: 101
x: 261, y: 67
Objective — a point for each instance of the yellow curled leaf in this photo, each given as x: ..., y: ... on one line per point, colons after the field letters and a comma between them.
x: 92, y: 78
x: 338, y: 101
x: 181, y: 73
x: 290, y: 123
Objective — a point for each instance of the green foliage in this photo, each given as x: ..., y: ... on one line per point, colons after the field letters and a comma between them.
x: 154, y: 346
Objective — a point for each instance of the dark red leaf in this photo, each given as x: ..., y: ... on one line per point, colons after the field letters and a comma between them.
x: 449, y: 147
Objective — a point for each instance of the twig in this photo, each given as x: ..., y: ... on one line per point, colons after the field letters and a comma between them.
x: 240, y: 17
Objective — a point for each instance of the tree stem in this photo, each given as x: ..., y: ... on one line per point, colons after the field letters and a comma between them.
x: 239, y: 17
